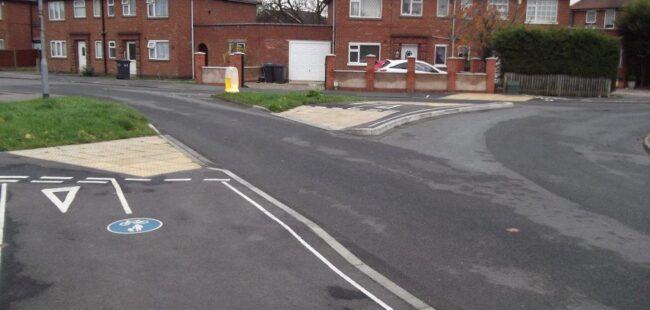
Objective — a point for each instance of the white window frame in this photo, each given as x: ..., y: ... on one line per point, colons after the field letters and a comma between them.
x: 110, y: 7
x: 590, y: 21
x: 152, y: 46
x: 58, y: 49
x: 446, y: 12
x: 112, y: 46
x: 435, y: 55
x: 381, y: 7
x: 2, y: 5
x: 236, y: 44
x: 499, y: 5
x: 358, y: 50
x: 128, y: 6
x: 99, y: 50
x: 534, y: 5
x: 410, y: 8
x: 613, y: 24
x: 56, y: 10
x: 79, y: 4
x: 2, y: 43
x: 151, y: 8
x: 97, y: 8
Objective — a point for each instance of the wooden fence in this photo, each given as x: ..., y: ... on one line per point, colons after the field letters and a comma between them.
x: 561, y: 85
x: 18, y: 58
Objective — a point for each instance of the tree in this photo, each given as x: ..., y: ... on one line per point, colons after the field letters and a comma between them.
x: 477, y: 23
x: 634, y: 25
x: 293, y: 11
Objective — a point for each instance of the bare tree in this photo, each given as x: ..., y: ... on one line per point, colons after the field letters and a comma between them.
x: 294, y: 11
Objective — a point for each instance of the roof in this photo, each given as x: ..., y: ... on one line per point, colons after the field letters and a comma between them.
x: 598, y: 4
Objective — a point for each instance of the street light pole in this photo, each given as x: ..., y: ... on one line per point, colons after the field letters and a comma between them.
x: 44, y: 75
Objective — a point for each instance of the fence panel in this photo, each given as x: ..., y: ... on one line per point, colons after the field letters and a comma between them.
x: 561, y: 85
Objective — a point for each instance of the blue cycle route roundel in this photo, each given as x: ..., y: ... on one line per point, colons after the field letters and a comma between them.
x: 134, y: 226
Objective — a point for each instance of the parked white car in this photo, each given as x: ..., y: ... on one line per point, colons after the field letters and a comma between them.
x: 399, y: 66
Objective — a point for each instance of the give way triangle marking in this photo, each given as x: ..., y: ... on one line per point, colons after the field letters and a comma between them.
x: 65, y: 204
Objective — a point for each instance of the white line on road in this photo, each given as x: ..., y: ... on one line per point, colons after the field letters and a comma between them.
x: 137, y: 180
x: 216, y: 180
x: 178, y: 180
x: 3, y: 207
x: 118, y: 191
x: 47, y: 181
x: 9, y: 181
x: 13, y: 177
x: 309, y: 247
x: 55, y: 178
x: 92, y: 182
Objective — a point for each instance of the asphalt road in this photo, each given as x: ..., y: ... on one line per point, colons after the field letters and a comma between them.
x: 543, y: 206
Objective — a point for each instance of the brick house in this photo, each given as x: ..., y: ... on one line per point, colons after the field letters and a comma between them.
x: 397, y: 28
x: 18, y: 24
x: 155, y: 35
x: 601, y: 15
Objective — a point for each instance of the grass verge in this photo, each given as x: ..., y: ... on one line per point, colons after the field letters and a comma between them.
x: 67, y: 120
x: 279, y: 102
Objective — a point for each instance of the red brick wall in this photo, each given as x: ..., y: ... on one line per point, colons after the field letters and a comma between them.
x: 579, y: 20
x: 215, y: 12
x: 264, y: 42
x: 15, y: 25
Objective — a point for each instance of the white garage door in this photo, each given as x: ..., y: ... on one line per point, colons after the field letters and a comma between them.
x: 307, y: 60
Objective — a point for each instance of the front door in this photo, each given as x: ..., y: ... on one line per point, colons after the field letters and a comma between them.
x: 81, y: 54
x: 409, y: 50
x: 130, y: 55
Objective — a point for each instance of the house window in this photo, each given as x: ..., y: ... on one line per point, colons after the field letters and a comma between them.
x: 57, y: 49
x: 2, y: 44
x: 412, y: 7
x: 79, y: 8
x: 157, y: 8
x: 357, y: 52
x: 441, y: 55
x: 501, y: 6
x: 99, y: 50
x: 112, y: 49
x: 443, y: 8
x: 236, y: 46
x: 590, y: 18
x: 610, y: 19
x: 365, y: 8
x: 158, y: 49
x: 110, y: 7
x: 97, y: 8
x: 465, y: 4
x: 541, y: 12
x: 2, y: 4
x: 56, y: 10
x: 463, y: 52
x: 128, y: 7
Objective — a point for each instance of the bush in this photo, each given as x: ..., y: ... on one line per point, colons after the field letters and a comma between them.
x: 576, y: 52
x: 88, y: 71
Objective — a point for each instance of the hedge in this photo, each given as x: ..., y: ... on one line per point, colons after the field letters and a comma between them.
x: 576, y: 52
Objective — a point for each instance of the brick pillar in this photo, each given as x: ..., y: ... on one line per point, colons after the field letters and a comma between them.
x: 237, y: 60
x: 476, y: 65
x: 329, y: 71
x: 491, y: 72
x: 453, y: 67
x: 371, y: 60
x: 410, y: 74
x: 199, y: 63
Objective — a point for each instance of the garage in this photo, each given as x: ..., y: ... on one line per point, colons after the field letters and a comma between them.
x: 307, y: 60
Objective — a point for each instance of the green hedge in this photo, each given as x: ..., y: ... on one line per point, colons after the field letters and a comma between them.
x: 576, y: 52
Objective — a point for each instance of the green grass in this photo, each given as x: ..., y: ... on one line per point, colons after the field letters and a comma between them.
x: 278, y: 102
x: 67, y: 120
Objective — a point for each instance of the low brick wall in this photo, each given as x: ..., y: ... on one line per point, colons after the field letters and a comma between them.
x: 390, y: 81
x: 214, y: 75
x: 350, y: 79
x: 430, y: 82
x: 471, y: 82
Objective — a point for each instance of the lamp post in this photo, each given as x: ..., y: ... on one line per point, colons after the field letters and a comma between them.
x: 44, y: 75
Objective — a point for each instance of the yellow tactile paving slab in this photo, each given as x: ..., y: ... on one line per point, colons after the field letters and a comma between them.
x: 333, y: 118
x: 489, y: 97
x: 143, y: 157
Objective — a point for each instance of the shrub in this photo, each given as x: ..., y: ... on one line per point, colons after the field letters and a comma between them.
x: 576, y: 52
x: 88, y: 71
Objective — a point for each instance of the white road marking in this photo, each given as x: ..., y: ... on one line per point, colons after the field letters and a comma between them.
x: 13, y: 177
x: 9, y: 181
x: 334, y: 244
x: 309, y: 247
x: 92, y: 182
x: 65, y: 204
x: 47, y: 181
x: 118, y: 191
x: 55, y: 178
x: 216, y: 180
x: 3, y: 207
x: 137, y: 180
x: 178, y: 180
